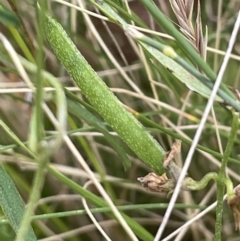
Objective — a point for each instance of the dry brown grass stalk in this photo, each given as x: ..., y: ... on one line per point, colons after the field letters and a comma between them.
x: 183, y: 9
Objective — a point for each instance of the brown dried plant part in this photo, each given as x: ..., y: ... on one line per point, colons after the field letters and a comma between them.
x: 234, y: 205
x: 173, y: 169
x: 183, y: 10
x: 170, y: 155
x: 154, y: 183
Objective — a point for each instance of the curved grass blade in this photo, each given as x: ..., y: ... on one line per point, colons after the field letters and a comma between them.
x: 180, y: 73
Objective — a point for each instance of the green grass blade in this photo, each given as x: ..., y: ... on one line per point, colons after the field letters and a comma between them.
x: 7, y: 17
x: 12, y: 204
x: 179, y: 72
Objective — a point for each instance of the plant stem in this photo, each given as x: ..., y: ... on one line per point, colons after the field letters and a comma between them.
x: 222, y: 177
x: 36, y: 133
x: 192, y: 185
x: 35, y: 194
x: 36, y: 136
x: 178, y: 136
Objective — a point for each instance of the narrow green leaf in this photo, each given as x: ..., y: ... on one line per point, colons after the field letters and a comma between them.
x: 179, y: 72
x: 12, y: 204
x: 7, y: 17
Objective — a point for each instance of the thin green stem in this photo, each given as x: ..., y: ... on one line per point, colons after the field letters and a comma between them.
x: 21, y: 44
x: 13, y: 5
x: 15, y: 139
x: 178, y: 136
x: 34, y: 196
x: 193, y: 185
x: 36, y: 136
x: 138, y: 207
x: 36, y: 130
x: 232, y: 136
x: 222, y: 177
x: 219, y: 210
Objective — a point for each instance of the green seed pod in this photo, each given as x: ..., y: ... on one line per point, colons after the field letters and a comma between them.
x: 103, y: 100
